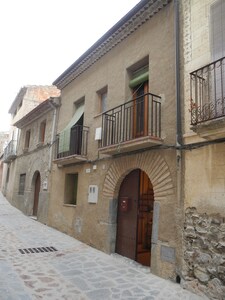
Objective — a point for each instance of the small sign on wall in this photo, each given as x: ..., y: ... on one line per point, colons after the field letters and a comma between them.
x: 45, y: 185
x: 92, y: 194
x: 167, y: 254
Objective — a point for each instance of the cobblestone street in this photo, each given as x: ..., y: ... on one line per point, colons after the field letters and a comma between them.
x: 38, y: 262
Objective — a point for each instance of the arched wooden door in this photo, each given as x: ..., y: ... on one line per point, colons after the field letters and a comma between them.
x: 134, y: 217
x: 36, y: 193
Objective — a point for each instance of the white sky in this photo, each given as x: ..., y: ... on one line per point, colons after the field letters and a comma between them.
x: 40, y: 39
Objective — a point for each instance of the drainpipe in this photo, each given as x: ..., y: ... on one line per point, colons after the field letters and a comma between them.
x: 179, y: 142
x: 177, y: 65
x: 54, y: 104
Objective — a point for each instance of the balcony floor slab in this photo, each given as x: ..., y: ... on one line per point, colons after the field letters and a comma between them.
x: 132, y: 145
x: 73, y: 159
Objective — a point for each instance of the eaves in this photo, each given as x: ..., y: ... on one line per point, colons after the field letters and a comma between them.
x: 136, y: 17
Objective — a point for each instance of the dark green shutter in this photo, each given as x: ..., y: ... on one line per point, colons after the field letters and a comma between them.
x: 139, y: 77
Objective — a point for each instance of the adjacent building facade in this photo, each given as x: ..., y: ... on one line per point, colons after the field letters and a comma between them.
x: 34, y: 157
x: 25, y: 176
x: 204, y: 136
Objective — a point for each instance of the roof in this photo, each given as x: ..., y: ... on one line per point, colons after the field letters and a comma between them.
x: 18, y: 100
x: 37, y: 112
x: 36, y: 93
x: 140, y: 14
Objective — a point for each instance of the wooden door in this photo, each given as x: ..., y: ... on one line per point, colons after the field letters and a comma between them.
x: 36, y: 194
x: 140, y: 113
x: 145, y: 220
x: 127, y: 216
x: 135, y: 217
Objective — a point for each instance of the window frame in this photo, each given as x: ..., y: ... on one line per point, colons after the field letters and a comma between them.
x: 71, y: 189
x: 22, y: 181
x: 102, y: 99
x: 27, y: 139
x: 42, y: 131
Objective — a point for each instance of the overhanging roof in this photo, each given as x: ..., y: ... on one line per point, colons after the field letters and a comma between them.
x: 141, y: 13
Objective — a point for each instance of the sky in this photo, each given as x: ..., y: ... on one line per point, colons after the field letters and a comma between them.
x: 40, y: 39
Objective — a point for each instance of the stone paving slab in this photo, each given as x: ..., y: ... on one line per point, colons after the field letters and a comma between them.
x: 74, y: 272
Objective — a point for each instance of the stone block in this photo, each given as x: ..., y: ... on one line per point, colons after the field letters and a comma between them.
x: 201, y: 274
x: 155, y: 228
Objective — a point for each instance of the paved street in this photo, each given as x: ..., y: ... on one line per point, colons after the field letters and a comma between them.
x: 38, y: 262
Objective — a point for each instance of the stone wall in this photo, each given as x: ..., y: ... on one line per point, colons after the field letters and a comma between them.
x: 204, y: 253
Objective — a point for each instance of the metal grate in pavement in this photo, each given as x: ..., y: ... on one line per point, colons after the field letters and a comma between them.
x: 37, y: 250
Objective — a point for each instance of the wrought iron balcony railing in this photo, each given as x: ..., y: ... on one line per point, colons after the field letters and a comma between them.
x: 77, y: 143
x: 207, y: 86
x: 137, y: 118
x: 10, y: 151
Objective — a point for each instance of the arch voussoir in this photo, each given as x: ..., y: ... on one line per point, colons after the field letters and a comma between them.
x: 153, y: 164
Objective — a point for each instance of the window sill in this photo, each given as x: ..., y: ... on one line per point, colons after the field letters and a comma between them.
x: 40, y: 144
x: 69, y: 205
x: 25, y: 150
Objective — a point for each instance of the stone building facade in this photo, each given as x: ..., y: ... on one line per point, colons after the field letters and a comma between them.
x: 20, y: 156
x: 204, y: 136
x: 116, y: 157
x: 33, y: 162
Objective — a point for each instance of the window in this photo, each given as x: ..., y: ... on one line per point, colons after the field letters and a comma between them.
x: 138, y: 75
x: 7, y: 176
x: 218, y: 29
x: 22, y: 184
x: 42, y: 132
x: 27, y: 139
x: 71, y: 135
x: 20, y: 105
x: 104, y: 102
x: 102, y: 95
x: 217, y: 72
x: 71, y: 184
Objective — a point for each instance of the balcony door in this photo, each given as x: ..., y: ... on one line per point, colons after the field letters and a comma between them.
x: 140, y: 112
x: 76, y: 137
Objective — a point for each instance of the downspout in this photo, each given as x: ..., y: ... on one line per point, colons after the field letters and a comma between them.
x: 179, y: 142
x: 55, y: 106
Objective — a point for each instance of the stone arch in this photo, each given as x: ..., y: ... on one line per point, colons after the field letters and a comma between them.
x: 153, y: 164
x: 33, y: 178
x: 35, y: 165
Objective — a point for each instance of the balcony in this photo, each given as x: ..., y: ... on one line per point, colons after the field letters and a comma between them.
x: 207, y: 86
x: 131, y: 126
x: 77, y: 151
x: 10, y: 152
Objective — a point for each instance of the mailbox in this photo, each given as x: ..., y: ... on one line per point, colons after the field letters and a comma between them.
x: 124, y: 204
